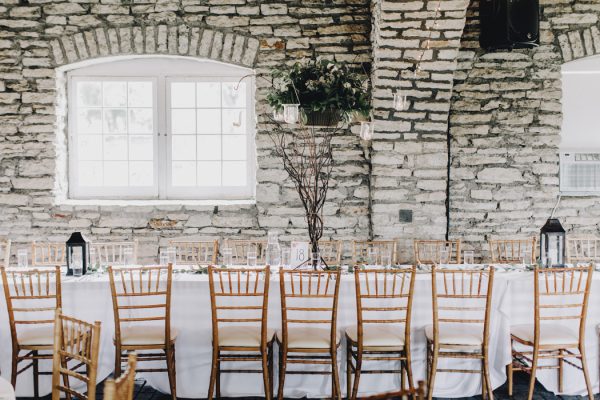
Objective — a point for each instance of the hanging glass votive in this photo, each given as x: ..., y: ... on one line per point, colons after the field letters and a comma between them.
x: 278, y: 115
x: 400, y: 101
x: 291, y: 113
x: 366, y: 130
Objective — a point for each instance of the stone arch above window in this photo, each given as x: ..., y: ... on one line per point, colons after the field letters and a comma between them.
x: 156, y: 39
x: 579, y: 43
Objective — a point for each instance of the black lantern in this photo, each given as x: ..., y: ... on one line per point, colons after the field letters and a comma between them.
x: 552, y: 244
x: 77, y: 253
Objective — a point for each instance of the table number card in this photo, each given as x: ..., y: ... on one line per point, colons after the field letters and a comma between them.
x: 299, y: 253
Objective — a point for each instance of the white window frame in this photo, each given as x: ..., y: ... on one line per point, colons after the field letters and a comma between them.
x: 162, y: 70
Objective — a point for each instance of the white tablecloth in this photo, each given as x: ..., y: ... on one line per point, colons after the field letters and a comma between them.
x: 89, y: 298
x: 6, y: 390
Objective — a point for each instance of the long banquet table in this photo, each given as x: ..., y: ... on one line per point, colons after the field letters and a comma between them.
x: 89, y: 298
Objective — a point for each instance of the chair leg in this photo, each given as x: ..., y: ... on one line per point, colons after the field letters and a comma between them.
x: 172, y: 370
x: 586, y: 375
x: 117, y: 371
x: 407, y: 365
x: 218, y: 379
x: 213, y: 374
x: 484, y: 391
x: 434, y: 360
x: 509, y: 375
x: 532, y: 372
x: 357, y: 371
x: 348, y: 370
x: 488, y: 380
x: 560, y: 371
x: 36, y: 375
x: 402, y: 377
x: 335, y: 376
x: 13, y: 373
x: 270, y: 349
x: 282, y: 365
x: 265, y: 369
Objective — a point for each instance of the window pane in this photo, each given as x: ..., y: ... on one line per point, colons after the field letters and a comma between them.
x: 140, y: 120
x: 184, y: 173
x: 115, y: 120
x: 141, y: 173
x: 183, y: 95
x: 89, y: 94
x: 208, y: 94
x: 89, y: 120
x: 233, y: 97
x: 114, y: 94
x: 115, y: 147
x: 234, y: 121
x: 90, y: 147
x: 234, y: 147
x: 209, y: 147
x: 183, y: 147
x: 90, y: 173
x: 183, y: 122
x: 234, y: 173
x: 209, y: 121
x: 141, y: 147
x: 209, y: 173
x: 116, y: 173
x: 139, y: 94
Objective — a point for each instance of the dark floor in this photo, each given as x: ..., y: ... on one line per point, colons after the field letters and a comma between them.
x: 143, y: 392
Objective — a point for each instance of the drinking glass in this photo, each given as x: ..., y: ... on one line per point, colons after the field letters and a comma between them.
x: 76, y: 261
x: 285, y: 257
x: 171, y: 255
x: 315, y: 259
x: 163, y: 257
x: 468, y: 257
x: 386, y: 258
x: 525, y: 257
x: 227, y: 256
x: 372, y: 256
x: 444, y: 255
x: 251, y: 258
x: 22, y: 258
x: 128, y: 256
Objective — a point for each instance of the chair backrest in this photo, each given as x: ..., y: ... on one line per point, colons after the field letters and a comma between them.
x: 240, y: 248
x: 417, y: 393
x: 434, y: 251
x: 561, y: 294
x: 462, y: 297
x: 48, y: 254
x: 512, y: 250
x: 32, y: 296
x: 309, y: 298
x: 141, y: 295
x: 113, y: 253
x: 122, y: 387
x: 384, y: 296
x: 239, y: 297
x: 583, y: 250
x: 331, y: 252
x: 5, y: 252
x: 361, y: 248
x: 196, y: 252
x: 76, y: 345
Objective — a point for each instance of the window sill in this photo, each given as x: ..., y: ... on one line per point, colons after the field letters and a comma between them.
x: 145, y: 203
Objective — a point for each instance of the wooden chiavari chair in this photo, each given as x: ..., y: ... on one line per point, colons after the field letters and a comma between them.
x: 32, y: 296
x: 76, y: 342
x: 309, y: 301
x: 383, y: 310
x: 512, y: 251
x: 417, y: 393
x: 196, y: 252
x: 561, y: 295
x: 430, y: 251
x: 583, y: 250
x: 49, y: 254
x: 141, y: 299
x: 461, y: 322
x: 240, y: 248
x: 5, y: 251
x: 360, y: 250
x: 331, y: 252
x: 122, y: 387
x: 239, y: 303
x: 113, y: 253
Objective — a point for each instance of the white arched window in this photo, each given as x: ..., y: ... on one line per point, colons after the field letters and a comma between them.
x: 161, y: 128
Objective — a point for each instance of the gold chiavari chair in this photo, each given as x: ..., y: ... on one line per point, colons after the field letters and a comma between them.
x: 141, y: 299
x: 5, y: 251
x: 196, y: 252
x: 122, y: 387
x: 331, y: 252
x: 239, y: 304
x: 309, y: 301
x: 114, y: 253
x: 240, y: 248
x: 432, y: 251
x: 49, y: 254
x: 360, y: 251
x: 583, y: 250
x: 383, y: 309
x: 32, y: 296
x: 417, y: 393
x: 512, y: 251
x: 76, y: 342
x: 561, y: 298
x: 461, y: 322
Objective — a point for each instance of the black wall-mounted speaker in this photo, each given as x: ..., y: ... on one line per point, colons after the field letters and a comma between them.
x: 509, y: 24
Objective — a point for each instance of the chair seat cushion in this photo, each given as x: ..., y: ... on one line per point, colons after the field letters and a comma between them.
x: 41, y: 335
x: 308, y: 338
x: 242, y: 336
x: 457, y: 336
x: 145, y: 335
x: 379, y: 336
x: 550, y: 334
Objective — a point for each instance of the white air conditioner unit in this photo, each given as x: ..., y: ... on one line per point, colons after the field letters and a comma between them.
x: 580, y: 174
